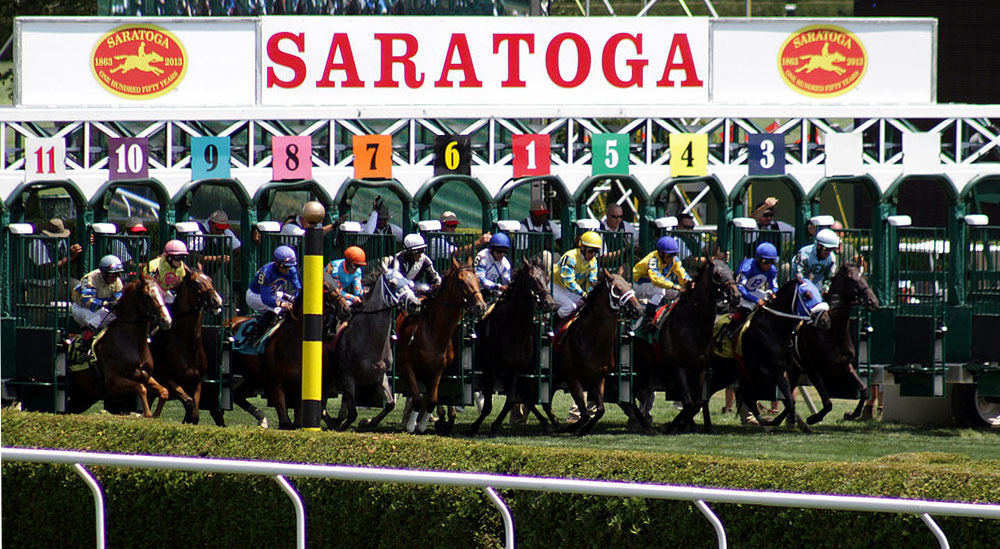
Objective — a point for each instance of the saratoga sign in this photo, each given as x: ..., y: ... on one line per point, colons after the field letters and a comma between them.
x: 444, y: 62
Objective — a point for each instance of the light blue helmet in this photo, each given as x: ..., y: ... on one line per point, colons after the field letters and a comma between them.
x: 500, y: 240
x: 285, y: 256
x: 667, y: 245
x: 766, y: 250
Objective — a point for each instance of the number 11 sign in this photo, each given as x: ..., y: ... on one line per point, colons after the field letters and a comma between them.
x: 44, y: 158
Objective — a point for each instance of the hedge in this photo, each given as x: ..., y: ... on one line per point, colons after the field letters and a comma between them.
x: 48, y: 505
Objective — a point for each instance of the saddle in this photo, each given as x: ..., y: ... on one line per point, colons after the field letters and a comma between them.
x: 242, y: 337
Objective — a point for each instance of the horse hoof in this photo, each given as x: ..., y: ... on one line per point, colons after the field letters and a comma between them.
x: 363, y: 424
x: 263, y: 423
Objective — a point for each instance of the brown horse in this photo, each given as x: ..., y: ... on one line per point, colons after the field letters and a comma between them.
x: 424, y: 347
x: 178, y: 353
x: 825, y: 354
x: 278, y: 372
x: 585, y: 347
x: 124, y: 362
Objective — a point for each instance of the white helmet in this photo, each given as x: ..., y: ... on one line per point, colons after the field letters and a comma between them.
x: 827, y: 239
x: 414, y: 242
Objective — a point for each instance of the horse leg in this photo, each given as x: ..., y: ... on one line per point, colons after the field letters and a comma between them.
x: 240, y: 395
x: 487, y: 391
x: 576, y: 390
x: 824, y: 396
x: 547, y: 424
x: 416, y: 400
x: 390, y: 404
x: 219, y: 417
x: 190, y: 413
x: 600, y: 410
x: 685, y: 418
x: 277, y: 395
x: 862, y: 390
x: 348, y: 407
x: 196, y: 400
x: 119, y: 385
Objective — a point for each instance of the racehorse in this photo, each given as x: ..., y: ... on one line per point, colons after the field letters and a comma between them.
x: 824, y: 354
x: 178, y: 352
x: 124, y: 362
x: 585, y: 345
x: 682, y: 348
x: 278, y: 371
x: 424, y: 348
x: 764, y: 358
x: 361, y: 353
x: 506, y: 345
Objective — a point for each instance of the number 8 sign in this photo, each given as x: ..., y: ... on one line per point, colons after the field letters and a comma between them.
x: 291, y: 157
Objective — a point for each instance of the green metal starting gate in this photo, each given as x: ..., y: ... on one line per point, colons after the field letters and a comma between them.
x: 745, y: 242
x: 983, y: 294
x: 133, y: 250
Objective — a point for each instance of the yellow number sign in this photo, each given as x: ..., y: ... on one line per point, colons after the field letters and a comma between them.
x: 688, y: 154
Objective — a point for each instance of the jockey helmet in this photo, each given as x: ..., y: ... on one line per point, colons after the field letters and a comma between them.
x: 285, y: 256
x: 500, y: 240
x: 766, y: 250
x: 667, y: 245
x: 414, y: 242
x: 355, y: 255
x: 175, y: 247
x: 591, y: 239
x: 111, y: 264
x: 827, y: 239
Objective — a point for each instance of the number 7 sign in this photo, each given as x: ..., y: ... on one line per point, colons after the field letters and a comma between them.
x: 373, y: 156
x: 44, y: 158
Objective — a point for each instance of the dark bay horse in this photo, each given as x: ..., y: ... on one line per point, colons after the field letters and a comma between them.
x: 424, y: 348
x: 506, y: 340
x: 278, y: 372
x: 765, y: 357
x: 361, y: 353
x: 585, y: 346
x: 124, y: 362
x: 683, y: 346
x: 178, y: 353
x: 823, y: 354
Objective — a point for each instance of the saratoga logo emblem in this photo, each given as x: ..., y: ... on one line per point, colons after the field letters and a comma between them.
x: 822, y: 61
x: 139, y: 61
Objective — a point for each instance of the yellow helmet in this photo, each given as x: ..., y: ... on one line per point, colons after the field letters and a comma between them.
x: 591, y: 239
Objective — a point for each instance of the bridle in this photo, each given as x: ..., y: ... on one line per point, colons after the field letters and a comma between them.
x: 811, y: 316
x: 468, y: 298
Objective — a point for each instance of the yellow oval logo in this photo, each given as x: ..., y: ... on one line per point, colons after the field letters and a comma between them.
x: 139, y: 61
x: 822, y: 61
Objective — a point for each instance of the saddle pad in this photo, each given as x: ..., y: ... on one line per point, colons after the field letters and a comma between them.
x: 557, y: 338
x: 242, y: 334
x: 84, y: 360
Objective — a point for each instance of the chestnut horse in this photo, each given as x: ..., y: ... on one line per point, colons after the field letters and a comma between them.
x: 823, y: 354
x: 424, y: 348
x: 178, y: 353
x: 507, y: 340
x: 278, y: 372
x: 124, y: 362
x: 585, y: 345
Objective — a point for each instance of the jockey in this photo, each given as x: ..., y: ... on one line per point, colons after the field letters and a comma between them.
x: 169, y: 268
x: 96, y: 294
x: 347, y: 273
x: 492, y: 266
x: 817, y: 262
x: 757, y: 281
x: 576, y: 273
x: 267, y: 294
x: 413, y: 264
x: 660, y: 274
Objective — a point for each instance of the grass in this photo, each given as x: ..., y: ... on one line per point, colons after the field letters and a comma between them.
x: 833, y: 440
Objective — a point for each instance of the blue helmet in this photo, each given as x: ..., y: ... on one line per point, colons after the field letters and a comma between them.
x: 285, y: 256
x: 766, y: 250
x: 667, y: 245
x: 111, y: 264
x: 500, y: 240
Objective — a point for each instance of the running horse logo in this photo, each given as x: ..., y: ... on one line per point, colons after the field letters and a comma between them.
x: 824, y: 61
x: 141, y: 61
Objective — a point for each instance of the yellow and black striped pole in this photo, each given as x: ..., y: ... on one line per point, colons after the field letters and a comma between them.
x: 312, y: 325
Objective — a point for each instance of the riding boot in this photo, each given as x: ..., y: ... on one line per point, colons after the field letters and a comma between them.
x: 264, y: 322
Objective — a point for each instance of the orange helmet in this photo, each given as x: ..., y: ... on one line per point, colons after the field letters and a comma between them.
x: 355, y: 255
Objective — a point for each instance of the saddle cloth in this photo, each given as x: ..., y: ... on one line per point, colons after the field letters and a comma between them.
x: 241, y: 337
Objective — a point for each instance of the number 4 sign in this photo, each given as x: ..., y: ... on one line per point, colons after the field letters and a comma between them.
x: 44, y: 158
x: 688, y: 154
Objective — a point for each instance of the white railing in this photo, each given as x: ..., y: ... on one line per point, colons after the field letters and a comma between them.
x: 489, y: 483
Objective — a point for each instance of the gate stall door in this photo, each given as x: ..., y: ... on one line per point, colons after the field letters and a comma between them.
x: 980, y: 403
x: 132, y: 249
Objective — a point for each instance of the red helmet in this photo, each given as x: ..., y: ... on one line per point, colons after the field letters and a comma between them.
x: 175, y: 247
x: 355, y: 255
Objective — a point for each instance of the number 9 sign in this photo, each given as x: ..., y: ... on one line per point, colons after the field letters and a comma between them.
x: 291, y: 157
x: 209, y: 158
x: 452, y: 155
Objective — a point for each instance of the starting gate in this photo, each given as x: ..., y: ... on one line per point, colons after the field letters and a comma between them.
x: 984, y: 297
x: 133, y: 250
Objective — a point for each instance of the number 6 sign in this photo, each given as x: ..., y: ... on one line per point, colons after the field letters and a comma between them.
x: 128, y: 158
x: 291, y: 157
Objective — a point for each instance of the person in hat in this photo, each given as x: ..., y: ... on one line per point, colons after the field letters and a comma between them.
x: 132, y: 247
x: 378, y: 221
x: 96, y: 294
x: 54, y: 252
x: 296, y: 225
x: 170, y: 268
x: 538, y: 220
x: 414, y: 264
x: 576, y: 274
x: 443, y: 246
x: 272, y: 290
x: 817, y: 262
x: 346, y: 273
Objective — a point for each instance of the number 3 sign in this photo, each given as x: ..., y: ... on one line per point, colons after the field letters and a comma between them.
x: 291, y: 157
x: 767, y: 154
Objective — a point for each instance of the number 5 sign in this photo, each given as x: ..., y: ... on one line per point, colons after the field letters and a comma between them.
x: 291, y: 157
x: 44, y: 158
x: 128, y: 158
x: 610, y: 152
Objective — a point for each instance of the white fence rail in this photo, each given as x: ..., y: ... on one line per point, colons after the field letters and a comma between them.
x: 489, y: 483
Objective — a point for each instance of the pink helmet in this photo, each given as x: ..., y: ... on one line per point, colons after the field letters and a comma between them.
x: 175, y: 247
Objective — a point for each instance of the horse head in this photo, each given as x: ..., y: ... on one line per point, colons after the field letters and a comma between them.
x: 153, y: 305
x: 851, y: 285
x: 718, y: 275
x: 809, y: 303
x: 334, y: 302
x: 205, y: 296
x: 468, y: 285
x: 621, y: 296
x: 537, y: 282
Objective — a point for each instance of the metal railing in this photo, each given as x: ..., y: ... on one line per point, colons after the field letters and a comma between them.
x: 489, y: 483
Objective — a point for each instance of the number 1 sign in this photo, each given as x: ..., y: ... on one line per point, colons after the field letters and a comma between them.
x: 44, y: 158
x: 532, y: 155
x: 128, y: 158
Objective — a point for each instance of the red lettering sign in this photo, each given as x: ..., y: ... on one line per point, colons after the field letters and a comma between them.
x: 389, y: 59
x: 341, y: 43
x: 686, y: 63
x: 293, y: 62
x: 460, y: 46
x: 583, y: 60
x: 637, y: 65
x: 513, y: 56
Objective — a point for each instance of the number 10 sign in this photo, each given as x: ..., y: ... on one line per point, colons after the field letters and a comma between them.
x: 128, y: 158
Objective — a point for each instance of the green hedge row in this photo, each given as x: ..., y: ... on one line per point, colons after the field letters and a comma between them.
x: 46, y: 506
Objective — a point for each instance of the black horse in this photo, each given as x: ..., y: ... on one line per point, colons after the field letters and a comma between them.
x: 763, y: 359
x: 506, y: 343
x: 824, y: 354
x: 360, y: 355
x: 681, y: 351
